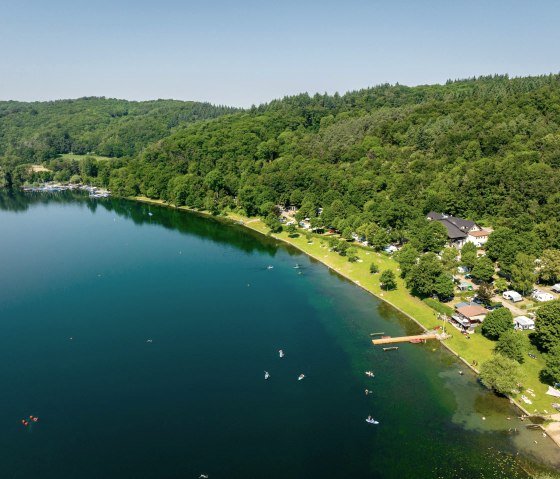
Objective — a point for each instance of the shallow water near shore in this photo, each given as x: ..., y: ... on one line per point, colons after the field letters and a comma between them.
x: 140, y: 341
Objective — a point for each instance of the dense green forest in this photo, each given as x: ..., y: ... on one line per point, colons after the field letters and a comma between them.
x: 39, y: 131
x: 375, y: 160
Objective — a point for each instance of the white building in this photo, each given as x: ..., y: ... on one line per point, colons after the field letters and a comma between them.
x: 523, y: 322
x: 512, y: 296
x: 542, y: 296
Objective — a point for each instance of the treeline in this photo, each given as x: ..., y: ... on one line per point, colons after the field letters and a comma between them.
x: 39, y: 131
x: 376, y: 159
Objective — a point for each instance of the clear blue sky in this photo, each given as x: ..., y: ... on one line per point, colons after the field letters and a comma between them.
x: 244, y: 52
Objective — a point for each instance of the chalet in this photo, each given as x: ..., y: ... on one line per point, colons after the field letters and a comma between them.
x: 469, y: 316
x: 523, y: 322
x: 459, y: 230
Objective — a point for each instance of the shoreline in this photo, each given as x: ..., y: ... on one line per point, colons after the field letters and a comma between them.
x: 553, y: 434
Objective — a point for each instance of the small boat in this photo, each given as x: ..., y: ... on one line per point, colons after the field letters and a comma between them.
x: 266, y: 375
x: 370, y: 420
x: 370, y: 374
x: 35, y: 419
x: 24, y: 422
x: 270, y: 267
x: 297, y: 266
x: 300, y: 377
x: 281, y: 353
x: 150, y: 213
x: 385, y: 337
x: 415, y: 341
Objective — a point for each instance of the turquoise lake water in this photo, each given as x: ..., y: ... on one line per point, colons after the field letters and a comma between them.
x: 140, y: 341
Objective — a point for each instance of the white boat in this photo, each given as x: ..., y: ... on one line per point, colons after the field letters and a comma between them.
x: 370, y: 374
x: 281, y: 353
x: 266, y: 375
x: 270, y: 267
x: 370, y: 420
x: 300, y: 377
x: 297, y: 266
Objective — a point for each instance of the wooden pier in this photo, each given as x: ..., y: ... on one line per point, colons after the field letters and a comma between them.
x: 404, y: 339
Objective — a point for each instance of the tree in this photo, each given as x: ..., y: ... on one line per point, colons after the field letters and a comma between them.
x: 551, y: 372
x: 501, y: 374
x: 501, y: 285
x: 428, y: 236
x: 388, y: 280
x: 483, y: 269
x: 449, y: 260
x: 523, y: 275
x: 347, y: 234
x: 497, y: 322
x: 352, y: 255
x: 342, y: 248
x: 373, y: 268
x: 513, y: 344
x: 547, y: 325
x: 444, y: 287
x: 290, y: 229
x: 485, y: 293
x: 424, y: 274
x: 273, y: 223
x: 407, y: 257
x: 468, y: 255
x: 549, y: 270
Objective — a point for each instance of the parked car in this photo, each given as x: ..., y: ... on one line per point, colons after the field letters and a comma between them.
x: 492, y: 307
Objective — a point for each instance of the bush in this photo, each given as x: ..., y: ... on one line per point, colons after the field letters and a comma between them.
x: 373, y: 268
x: 439, y: 307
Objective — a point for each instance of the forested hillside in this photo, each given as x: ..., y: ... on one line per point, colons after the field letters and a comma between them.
x: 39, y: 131
x: 486, y: 149
x: 375, y: 160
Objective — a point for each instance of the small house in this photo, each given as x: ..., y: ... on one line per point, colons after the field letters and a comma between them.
x: 467, y: 317
x: 542, y: 296
x: 523, y: 322
x: 512, y: 296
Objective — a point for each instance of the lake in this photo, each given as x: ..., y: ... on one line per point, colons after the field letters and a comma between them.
x: 140, y: 336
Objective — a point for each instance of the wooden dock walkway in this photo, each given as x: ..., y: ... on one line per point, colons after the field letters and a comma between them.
x: 404, y: 339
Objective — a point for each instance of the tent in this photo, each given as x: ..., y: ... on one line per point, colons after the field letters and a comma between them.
x: 553, y: 392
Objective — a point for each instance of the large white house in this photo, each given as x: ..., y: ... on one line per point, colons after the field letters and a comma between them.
x: 460, y: 231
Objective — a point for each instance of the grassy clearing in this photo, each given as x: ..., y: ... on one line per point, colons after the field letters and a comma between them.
x: 72, y: 156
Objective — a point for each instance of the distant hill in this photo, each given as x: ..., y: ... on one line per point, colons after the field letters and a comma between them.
x: 38, y: 131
